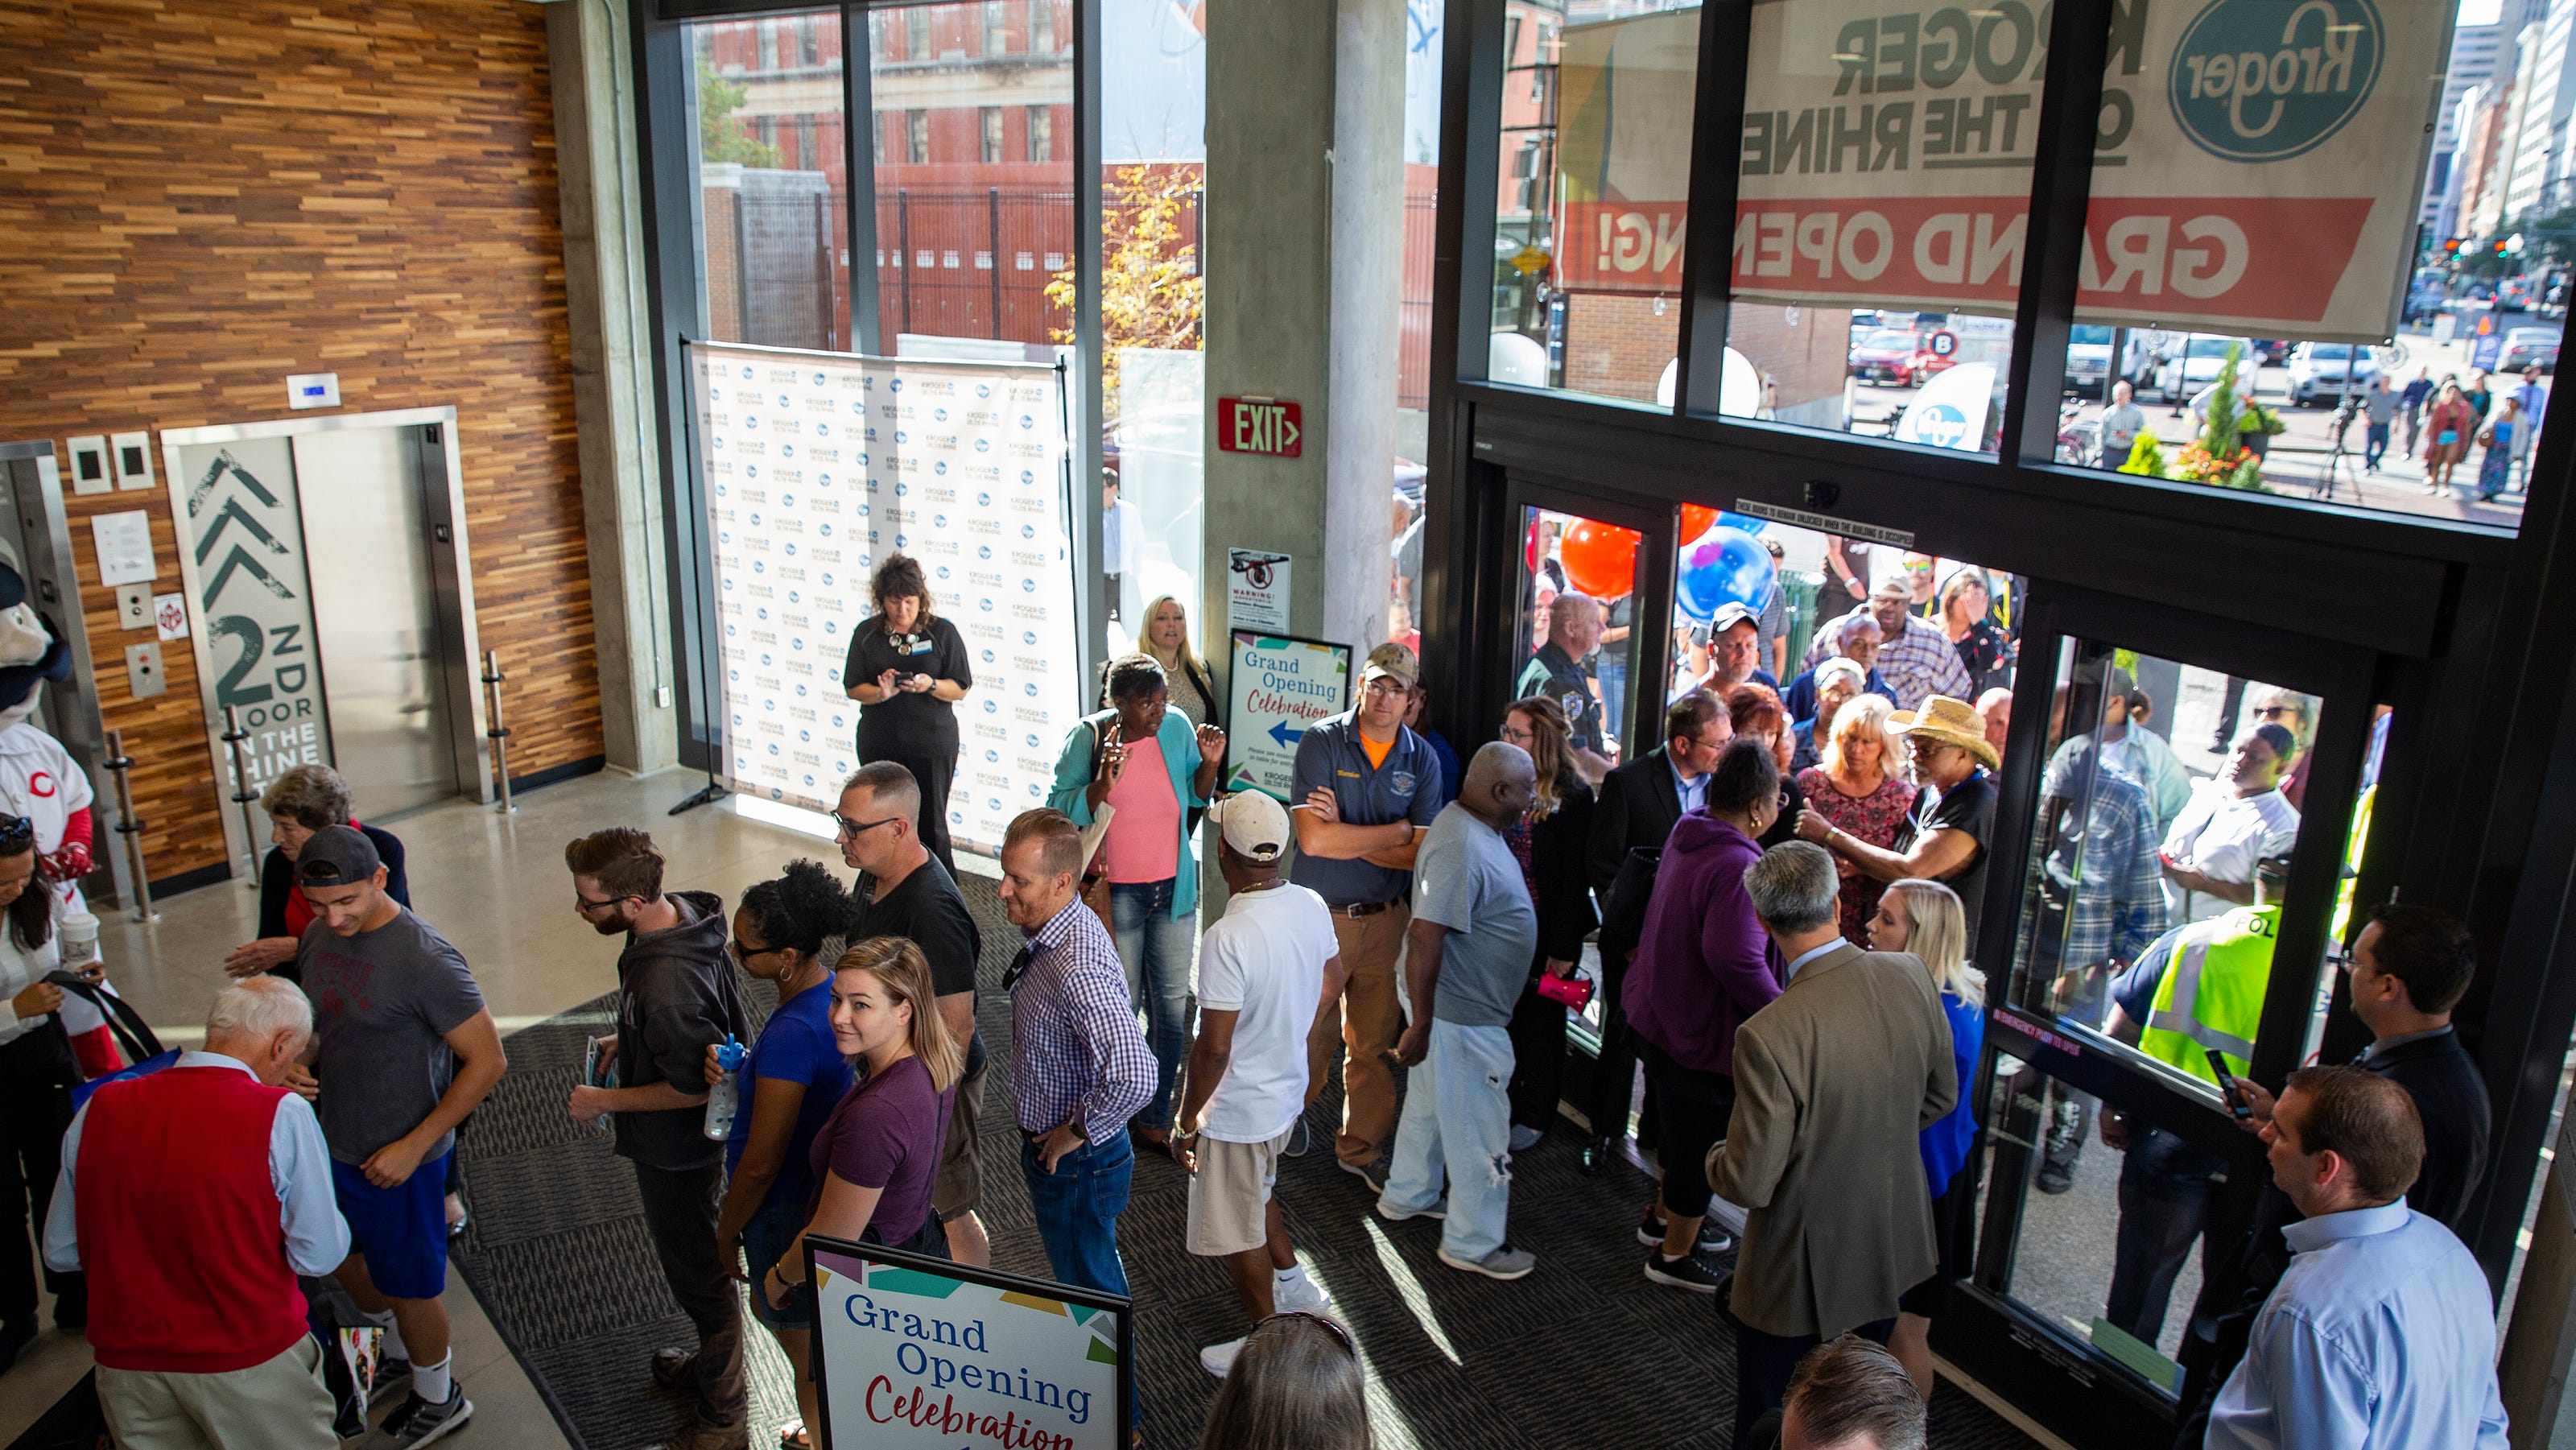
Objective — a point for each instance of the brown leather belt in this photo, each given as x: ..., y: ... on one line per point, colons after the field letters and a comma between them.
x: 1358, y: 909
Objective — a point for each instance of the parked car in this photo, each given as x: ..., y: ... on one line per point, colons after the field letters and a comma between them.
x: 2529, y: 347
x: 2317, y: 371
x: 1888, y: 355
x: 2272, y: 351
x: 2192, y: 363
x: 2088, y: 360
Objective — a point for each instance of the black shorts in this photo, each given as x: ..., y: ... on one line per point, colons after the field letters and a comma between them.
x: 1691, y: 1108
x: 1931, y: 1298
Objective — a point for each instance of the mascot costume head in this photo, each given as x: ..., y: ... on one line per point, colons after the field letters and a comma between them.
x: 31, y: 651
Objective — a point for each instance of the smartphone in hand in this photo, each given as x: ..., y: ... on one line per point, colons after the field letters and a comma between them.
x: 2237, y: 1107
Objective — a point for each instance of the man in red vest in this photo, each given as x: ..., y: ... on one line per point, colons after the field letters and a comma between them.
x: 195, y: 1319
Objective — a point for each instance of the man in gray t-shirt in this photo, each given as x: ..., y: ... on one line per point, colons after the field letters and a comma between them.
x: 403, y: 1050
x: 1468, y: 951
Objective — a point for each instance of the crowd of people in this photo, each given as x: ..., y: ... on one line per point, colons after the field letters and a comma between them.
x: 2442, y: 419
x: 1784, y: 899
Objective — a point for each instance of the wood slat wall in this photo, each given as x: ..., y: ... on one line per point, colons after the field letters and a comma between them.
x: 200, y: 197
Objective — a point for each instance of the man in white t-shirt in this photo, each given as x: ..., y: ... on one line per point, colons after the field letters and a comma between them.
x: 2233, y: 821
x: 1266, y: 969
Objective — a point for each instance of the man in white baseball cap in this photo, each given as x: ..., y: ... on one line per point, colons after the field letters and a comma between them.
x: 1266, y: 969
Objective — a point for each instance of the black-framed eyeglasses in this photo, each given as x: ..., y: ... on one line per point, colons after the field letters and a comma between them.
x: 1340, y: 1333
x: 580, y: 903
x: 2268, y: 711
x: 16, y: 831
x: 743, y: 953
x: 844, y: 826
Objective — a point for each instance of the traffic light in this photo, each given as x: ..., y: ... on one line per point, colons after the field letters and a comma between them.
x: 2451, y: 246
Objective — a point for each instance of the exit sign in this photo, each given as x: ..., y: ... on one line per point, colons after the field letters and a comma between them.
x: 1258, y: 425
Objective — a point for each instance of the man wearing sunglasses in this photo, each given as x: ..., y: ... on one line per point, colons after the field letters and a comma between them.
x: 676, y: 998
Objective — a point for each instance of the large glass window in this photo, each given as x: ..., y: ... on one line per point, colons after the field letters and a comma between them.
x: 772, y: 193
x: 1594, y: 192
x: 969, y: 234
x: 2239, y: 340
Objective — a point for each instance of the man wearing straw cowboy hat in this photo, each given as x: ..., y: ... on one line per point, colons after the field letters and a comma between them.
x: 1945, y: 835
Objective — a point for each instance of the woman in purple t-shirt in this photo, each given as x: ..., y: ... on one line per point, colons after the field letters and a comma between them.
x: 877, y: 1159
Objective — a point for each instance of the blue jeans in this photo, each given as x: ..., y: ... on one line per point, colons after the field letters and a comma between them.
x: 1077, y: 1208
x: 1156, y: 952
x: 2377, y: 445
x: 1611, y: 669
x: 1458, y: 1119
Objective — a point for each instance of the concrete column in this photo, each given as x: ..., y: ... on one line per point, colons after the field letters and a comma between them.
x: 1304, y: 245
x: 604, y: 289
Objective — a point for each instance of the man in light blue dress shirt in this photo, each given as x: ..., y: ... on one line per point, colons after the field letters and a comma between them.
x: 2382, y: 1332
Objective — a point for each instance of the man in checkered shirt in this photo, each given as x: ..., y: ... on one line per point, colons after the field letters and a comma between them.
x: 1915, y: 655
x: 1079, y: 1065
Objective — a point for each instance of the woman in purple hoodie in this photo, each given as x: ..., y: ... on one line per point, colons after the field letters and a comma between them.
x: 1703, y: 965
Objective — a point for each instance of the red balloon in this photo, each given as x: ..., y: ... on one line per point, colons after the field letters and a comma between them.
x: 1600, y: 559
x: 1696, y: 519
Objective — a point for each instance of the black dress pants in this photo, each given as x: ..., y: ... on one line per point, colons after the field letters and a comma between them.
x: 933, y: 772
x: 680, y: 1214
x: 37, y: 1071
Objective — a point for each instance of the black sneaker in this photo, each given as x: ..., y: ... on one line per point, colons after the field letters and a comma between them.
x: 391, y: 1374
x: 1300, y: 1138
x: 1686, y: 1273
x: 1373, y: 1172
x: 419, y: 1422
x: 1712, y: 1239
x: 2054, y: 1178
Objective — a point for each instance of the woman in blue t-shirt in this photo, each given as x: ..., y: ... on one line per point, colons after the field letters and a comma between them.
x: 786, y: 931
x: 1923, y: 917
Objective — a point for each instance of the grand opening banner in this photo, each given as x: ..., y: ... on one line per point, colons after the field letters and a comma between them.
x: 2255, y: 169
x: 816, y: 467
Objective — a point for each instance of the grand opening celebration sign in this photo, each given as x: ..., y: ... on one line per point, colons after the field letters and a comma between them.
x: 816, y: 467
x: 1277, y: 686
x: 1887, y: 149
x: 914, y: 1353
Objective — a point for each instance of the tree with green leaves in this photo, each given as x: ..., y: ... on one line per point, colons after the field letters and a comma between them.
x: 720, y: 137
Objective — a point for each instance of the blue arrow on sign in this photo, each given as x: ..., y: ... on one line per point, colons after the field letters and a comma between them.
x: 1286, y: 737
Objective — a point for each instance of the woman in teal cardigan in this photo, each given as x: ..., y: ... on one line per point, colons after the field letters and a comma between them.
x: 1144, y: 762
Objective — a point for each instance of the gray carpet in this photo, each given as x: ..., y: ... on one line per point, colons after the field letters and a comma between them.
x: 1584, y: 1352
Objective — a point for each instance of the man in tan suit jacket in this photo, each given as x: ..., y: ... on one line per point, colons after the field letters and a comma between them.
x: 1833, y: 1082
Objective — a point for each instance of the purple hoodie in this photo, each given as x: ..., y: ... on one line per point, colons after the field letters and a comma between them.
x: 1704, y: 963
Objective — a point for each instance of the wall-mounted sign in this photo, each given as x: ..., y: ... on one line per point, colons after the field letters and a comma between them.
x: 1276, y: 687
x: 916, y: 1353
x: 124, y: 548
x: 1256, y: 590
x: 133, y: 457
x: 241, y: 525
x: 89, y: 464
x: 1827, y: 523
x: 313, y: 390
x: 1269, y: 426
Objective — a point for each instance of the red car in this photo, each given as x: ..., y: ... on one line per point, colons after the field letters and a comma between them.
x: 1890, y: 356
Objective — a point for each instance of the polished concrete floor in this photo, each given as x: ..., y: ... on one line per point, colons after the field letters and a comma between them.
x: 496, y: 886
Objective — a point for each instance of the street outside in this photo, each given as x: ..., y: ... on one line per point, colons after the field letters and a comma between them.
x: 2299, y: 461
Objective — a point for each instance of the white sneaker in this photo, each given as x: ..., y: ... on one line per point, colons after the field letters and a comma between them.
x: 1300, y: 1296
x: 1217, y: 1359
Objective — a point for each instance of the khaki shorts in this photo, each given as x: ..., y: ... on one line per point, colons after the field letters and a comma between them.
x: 960, y: 1188
x: 1230, y: 1195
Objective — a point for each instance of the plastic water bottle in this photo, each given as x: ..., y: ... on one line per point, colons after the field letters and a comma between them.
x: 79, y: 935
x: 725, y: 1097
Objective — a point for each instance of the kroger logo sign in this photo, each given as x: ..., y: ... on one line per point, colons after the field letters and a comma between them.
x: 2266, y: 80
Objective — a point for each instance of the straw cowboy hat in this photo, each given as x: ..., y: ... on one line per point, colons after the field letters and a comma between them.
x: 1951, y: 722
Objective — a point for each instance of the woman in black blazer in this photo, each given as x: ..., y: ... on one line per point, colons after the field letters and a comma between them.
x: 1551, y: 847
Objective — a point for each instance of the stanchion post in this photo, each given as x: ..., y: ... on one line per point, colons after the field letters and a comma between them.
x: 499, y: 734
x: 118, y: 763
x: 243, y: 795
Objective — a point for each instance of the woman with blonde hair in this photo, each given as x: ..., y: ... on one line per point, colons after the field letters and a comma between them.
x: 1296, y: 1386
x: 1550, y: 846
x: 1859, y: 785
x: 877, y: 1159
x: 1924, y: 918
x: 1167, y: 639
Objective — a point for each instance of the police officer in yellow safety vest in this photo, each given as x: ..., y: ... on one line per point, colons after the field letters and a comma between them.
x: 2197, y: 987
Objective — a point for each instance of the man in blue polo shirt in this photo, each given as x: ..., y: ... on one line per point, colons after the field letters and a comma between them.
x: 1366, y: 789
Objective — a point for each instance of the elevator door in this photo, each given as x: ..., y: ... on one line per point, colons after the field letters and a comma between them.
x: 375, y: 615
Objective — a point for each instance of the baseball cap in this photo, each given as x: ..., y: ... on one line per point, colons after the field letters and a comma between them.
x: 1255, y: 826
x: 1729, y: 615
x: 336, y: 856
x: 1391, y: 659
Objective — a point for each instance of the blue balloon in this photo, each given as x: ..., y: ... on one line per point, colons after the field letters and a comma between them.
x: 1745, y: 522
x: 1725, y: 564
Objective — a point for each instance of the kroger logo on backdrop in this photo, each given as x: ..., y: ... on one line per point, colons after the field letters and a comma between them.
x: 2266, y: 80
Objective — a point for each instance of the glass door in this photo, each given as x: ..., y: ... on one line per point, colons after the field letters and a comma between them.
x: 2178, y: 823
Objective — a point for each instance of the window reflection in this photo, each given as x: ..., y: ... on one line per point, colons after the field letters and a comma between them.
x: 772, y: 181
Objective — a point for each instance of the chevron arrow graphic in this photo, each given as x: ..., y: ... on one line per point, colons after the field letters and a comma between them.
x: 231, y: 513
x: 240, y: 559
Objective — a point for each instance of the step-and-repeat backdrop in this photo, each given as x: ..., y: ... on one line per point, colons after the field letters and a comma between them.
x: 815, y: 467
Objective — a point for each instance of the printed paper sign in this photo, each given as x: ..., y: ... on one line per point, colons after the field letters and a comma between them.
x: 2248, y: 177
x: 941, y: 1357
x: 1276, y: 688
x: 818, y: 466
x: 1256, y: 589
x: 124, y: 548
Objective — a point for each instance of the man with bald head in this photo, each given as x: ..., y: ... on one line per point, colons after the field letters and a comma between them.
x: 1467, y: 955
x: 1555, y: 670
